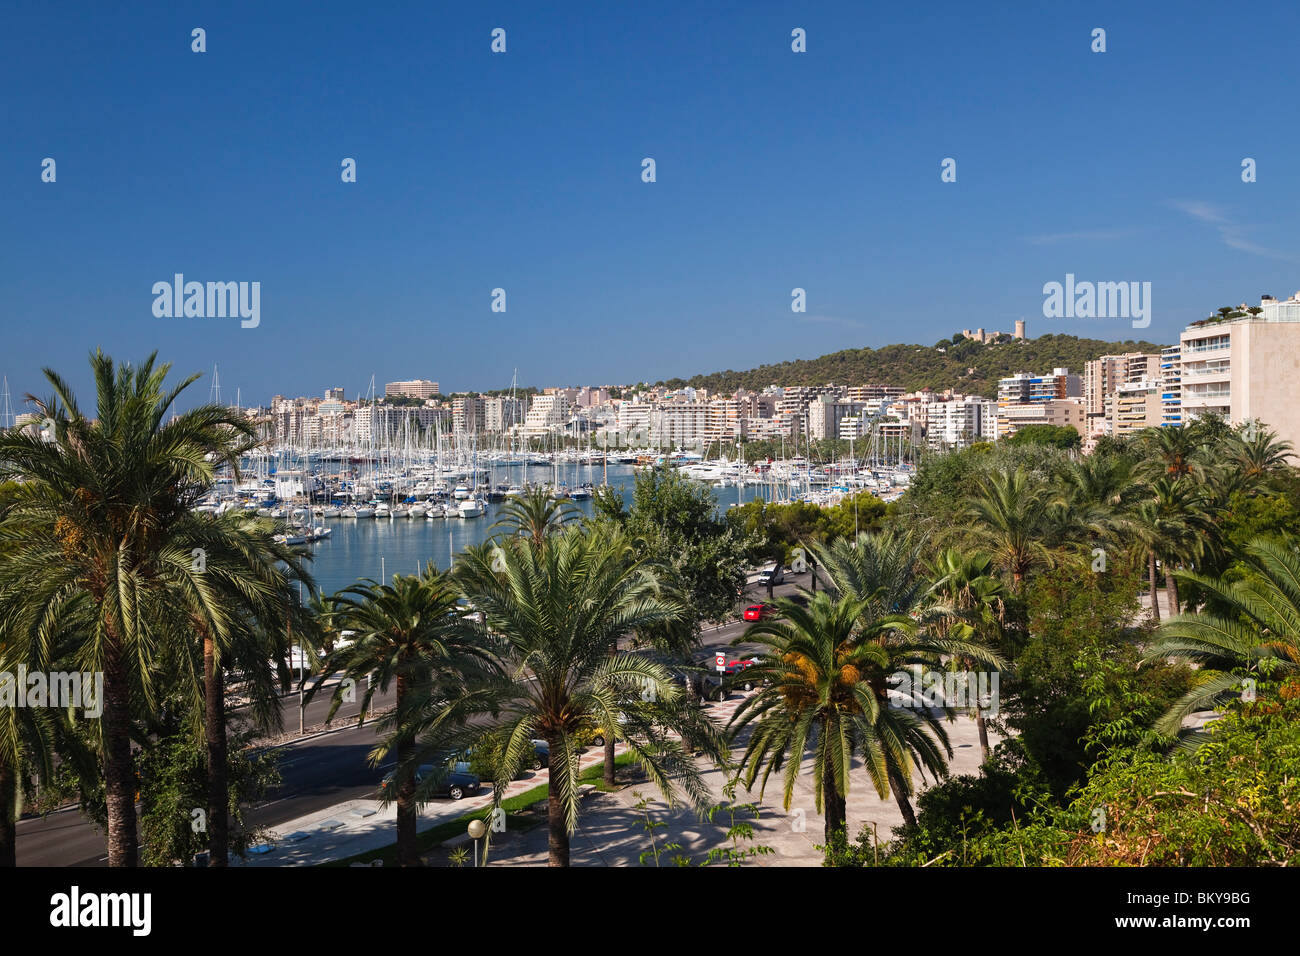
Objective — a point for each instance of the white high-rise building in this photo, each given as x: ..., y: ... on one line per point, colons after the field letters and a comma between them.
x: 960, y: 422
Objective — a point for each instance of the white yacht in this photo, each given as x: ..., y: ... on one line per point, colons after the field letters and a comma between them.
x: 364, y: 511
x: 460, y: 492
x: 471, y: 508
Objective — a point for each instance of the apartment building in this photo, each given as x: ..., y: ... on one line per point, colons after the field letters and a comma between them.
x: 957, y: 423
x: 1134, y: 406
x: 1171, y: 389
x: 468, y: 414
x: 1245, y: 368
x: 501, y: 413
x: 825, y: 414
x: 1056, y: 411
x: 416, y: 388
x: 1102, y: 377
x: 546, y: 414
x: 1058, y: 398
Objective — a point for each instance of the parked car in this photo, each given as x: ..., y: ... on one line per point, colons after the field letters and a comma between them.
x: 772, y: 574
x: 454, y: 784
x: 541, y: 754
x: 759, y: 612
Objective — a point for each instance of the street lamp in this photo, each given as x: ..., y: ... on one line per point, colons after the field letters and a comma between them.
x: 477, y: 829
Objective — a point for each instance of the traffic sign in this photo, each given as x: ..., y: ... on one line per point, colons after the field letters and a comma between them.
x: 720, y: 661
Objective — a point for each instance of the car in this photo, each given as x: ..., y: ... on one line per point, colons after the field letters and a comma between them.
x: 455, y: 784
x: 541, y: 754
x: 772, y: 574
x: 759, y: 612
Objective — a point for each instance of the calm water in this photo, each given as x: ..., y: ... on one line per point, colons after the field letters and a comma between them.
x: 381, y: 547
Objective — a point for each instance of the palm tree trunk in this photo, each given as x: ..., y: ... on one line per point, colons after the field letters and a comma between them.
x: 609, y: 741
x: 982, y: 726
x: 214, y: 718
x: 1151, y: 579
x: 900, y: 796
x: 119, y: 774
x: 834, y: 802
x: 558, y: 843
x: 1171, y: 585
x: 8, y: 815
x: 404, y: 775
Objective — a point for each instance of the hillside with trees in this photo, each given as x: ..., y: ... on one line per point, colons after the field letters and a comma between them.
x: 962, y: 364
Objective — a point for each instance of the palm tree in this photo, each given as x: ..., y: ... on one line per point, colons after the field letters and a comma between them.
x: 1258, y: 633
x: 410, y: 634
x: 967, y: 601
x: 534, y: 515
x: 241, y: 608
x: 104, y: 509
x: 1173, y: 452
x: 558, y: 610
x: 815, y: 688
x: 877, y: 568
x: 879, y: 571
x: 1173, y: 528
x: 1256, y: 452
x: 1011, y: 518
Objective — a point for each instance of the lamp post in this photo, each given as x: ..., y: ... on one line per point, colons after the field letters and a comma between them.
x: 477, y: 829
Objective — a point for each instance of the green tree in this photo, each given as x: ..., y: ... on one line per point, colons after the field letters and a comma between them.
x: 1012, y: 517
x: 410, y: 635
x: 106, y: 508
x: 1258, y: 637
x: 558, y: 611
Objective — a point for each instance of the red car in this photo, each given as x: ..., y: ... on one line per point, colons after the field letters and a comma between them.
x: 736, y: 666
x: 759, y: 612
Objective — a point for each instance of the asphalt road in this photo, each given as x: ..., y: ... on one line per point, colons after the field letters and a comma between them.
x: 317, y: 773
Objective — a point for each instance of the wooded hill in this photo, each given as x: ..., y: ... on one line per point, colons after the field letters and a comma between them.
x: 962, y: 364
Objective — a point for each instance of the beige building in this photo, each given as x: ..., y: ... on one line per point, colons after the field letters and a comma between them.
x: 416, y: 388
x: 1056, y: 411
x: 1245, y: 368
x: 1103, y: 377
x: 1132, y: 407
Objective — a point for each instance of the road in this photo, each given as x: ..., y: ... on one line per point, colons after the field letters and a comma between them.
x: 317, y: 773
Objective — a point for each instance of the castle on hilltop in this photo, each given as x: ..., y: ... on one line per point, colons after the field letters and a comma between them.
x: 979, y: 335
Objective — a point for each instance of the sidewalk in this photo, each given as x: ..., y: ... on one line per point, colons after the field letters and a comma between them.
x: 359, y: 826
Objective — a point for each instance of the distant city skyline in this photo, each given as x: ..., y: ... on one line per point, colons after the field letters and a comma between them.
x: 522, y: 171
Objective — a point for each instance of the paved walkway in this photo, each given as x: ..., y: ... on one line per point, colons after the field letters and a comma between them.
x: 359, y: 826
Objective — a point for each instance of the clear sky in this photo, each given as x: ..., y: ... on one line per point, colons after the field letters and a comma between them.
x: 522, y: 170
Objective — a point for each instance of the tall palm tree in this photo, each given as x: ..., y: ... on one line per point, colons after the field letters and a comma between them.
x: 242, y: 610
x: 411, y: 634
x: 1173, y: 452
x: 878, y: 569
x: 104, y: 509
x: 1011, y: 518
x: 534, y: 515
x: 1173, y: 527
x: 816, y: 691
x: 880, y: 573
x: 558, y: 610
x: 966, y: 600
x: 1257, y: 635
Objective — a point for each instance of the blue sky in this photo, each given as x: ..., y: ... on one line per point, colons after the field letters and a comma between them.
x: 775, y: 170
